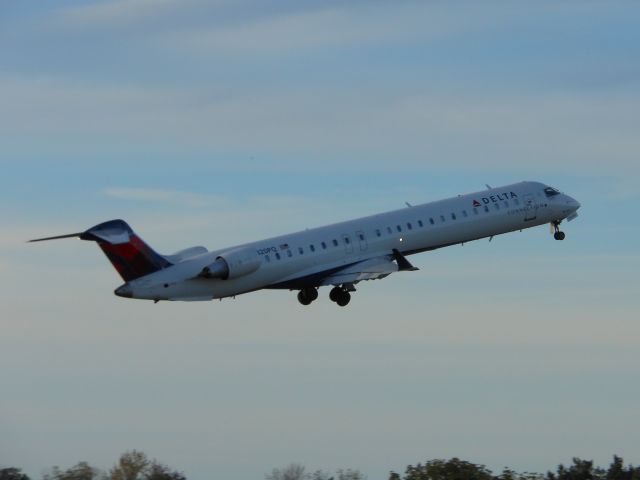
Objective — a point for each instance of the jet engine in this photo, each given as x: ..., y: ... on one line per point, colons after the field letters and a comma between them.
x: 232, y: 264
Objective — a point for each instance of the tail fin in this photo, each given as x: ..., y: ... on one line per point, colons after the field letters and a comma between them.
x: 128, y: 253
x: 130, y: 256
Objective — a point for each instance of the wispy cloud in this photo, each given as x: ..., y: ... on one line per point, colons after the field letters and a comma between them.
x: 168, y: 197
x: 274, y: 27
x: 114, y: 13
x: 418, y: 130
x: 299, y: 32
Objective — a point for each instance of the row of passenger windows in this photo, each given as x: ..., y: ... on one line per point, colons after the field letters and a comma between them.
x: 453, y: 216
x: 312, y: 248
x: 409, y: 226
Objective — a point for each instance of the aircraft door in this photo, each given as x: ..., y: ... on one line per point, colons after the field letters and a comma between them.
x: 348, y: 244
x: 362, y: 239
x: 530, y: 207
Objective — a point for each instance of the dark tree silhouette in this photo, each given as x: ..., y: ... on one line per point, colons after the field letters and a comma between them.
x: 158, y: 471
x: 454, y: 469
x: 580, y: 470
x: 11, y: 473
x: 293, y: 471
x: 617, y: 471
x: 131, y: 466
x: 80, y: 471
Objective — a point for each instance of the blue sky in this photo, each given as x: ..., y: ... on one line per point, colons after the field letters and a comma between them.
x: 221, y: 122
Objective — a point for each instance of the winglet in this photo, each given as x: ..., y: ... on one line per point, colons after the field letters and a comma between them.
x: 403, y: 263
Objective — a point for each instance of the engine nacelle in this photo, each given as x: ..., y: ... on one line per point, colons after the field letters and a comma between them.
x: 232, y: 264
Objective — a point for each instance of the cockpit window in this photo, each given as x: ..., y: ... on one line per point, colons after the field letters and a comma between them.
x: 551, y: 192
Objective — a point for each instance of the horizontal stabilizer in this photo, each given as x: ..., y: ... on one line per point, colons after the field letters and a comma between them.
x: 185, y: 254
x: 128, y: 253
x: 69, y: 235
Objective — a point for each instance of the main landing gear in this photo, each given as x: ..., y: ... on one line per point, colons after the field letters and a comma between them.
x: 557, y: 234
x: 339, y: 295
x: 307, y: 295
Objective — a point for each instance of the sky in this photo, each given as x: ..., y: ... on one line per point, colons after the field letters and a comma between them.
x: 220, y: 122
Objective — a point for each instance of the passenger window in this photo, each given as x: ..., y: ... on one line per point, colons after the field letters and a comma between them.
x: 420, y: 224
x: 516, y: 201
x: 475, y: 211
x: 399, y: 228
x: 442, y: 218
x: 267, y: 259
x: 453, y: 216
x: 378, y: 233
x: 361, y: 236
x: 506, y: 204
x: 300, y: 250
x: 312, y: 248
x: 486, y: 208
x: 464, y: 213
x: 335, y: 242
x: 496, y: 206
x: 277, y: 256
x: 409, y: 226
x: 389, y: 231
x: 431, y: 221
x: 289, y: 254
x: 324, y: 245
x: 347, y: 240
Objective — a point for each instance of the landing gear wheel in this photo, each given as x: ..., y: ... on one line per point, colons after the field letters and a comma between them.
x: 311, y: 293
x: 303, y: 299
x: 334, y: 294
x: 307, y: 295
x: 340, y: 295
x: 344, y: 298
x: 558, y: 235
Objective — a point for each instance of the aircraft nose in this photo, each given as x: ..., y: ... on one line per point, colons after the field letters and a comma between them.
x: 575, y: 204
x: 124, y: 291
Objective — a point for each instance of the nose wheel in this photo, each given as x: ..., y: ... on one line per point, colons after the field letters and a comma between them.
x: 557, y: 233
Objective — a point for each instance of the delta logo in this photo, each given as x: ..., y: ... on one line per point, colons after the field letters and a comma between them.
x: 495, y: 198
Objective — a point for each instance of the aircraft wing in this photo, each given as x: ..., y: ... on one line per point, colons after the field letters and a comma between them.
x: 370, y: 269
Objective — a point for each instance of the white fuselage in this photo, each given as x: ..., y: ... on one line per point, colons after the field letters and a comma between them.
x: 291, y: 261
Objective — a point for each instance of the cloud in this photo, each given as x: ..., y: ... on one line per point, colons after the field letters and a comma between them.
x: 423, y: 130
x: 302, y: 32
x: 233, y: 27
x: 169, y: 197
x: 114, y: 13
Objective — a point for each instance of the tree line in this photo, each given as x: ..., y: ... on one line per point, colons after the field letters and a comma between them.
x: 136, y: 465
x: 132, y: 465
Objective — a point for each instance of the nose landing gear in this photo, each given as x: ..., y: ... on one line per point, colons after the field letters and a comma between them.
x: 557, y: 234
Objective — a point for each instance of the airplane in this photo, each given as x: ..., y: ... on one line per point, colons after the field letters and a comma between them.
x: 339, y: 255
